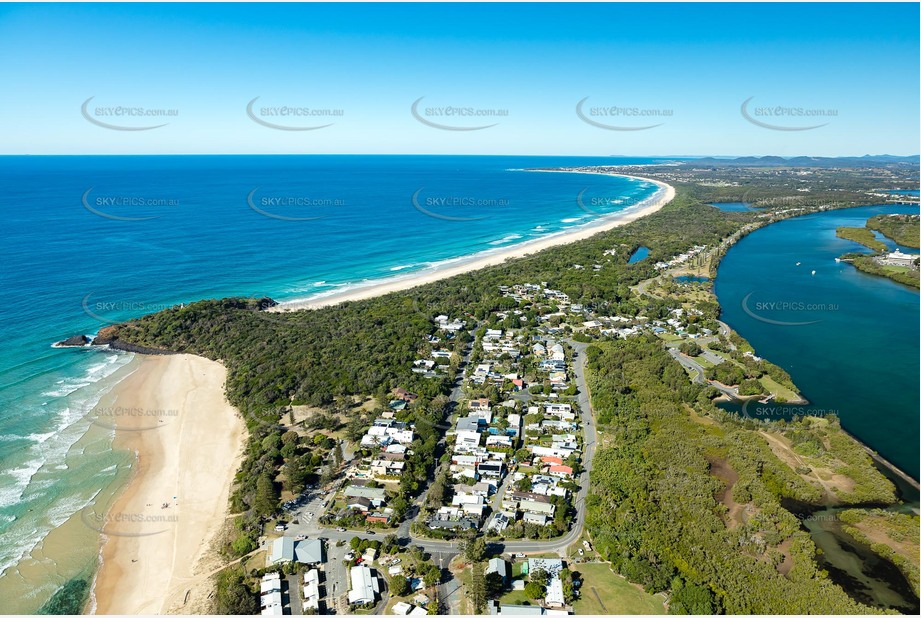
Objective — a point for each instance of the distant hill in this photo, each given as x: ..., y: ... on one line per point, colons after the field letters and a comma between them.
x: 773, y: 161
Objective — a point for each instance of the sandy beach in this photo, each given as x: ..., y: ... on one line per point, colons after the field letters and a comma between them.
x: 172, y: 412
x: 664, y: 195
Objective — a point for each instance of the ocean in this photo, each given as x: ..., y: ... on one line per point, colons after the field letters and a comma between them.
x: 94, y: 240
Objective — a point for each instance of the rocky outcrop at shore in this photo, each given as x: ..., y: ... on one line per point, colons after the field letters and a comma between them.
x: 77, y: 341
x: 108, y: 336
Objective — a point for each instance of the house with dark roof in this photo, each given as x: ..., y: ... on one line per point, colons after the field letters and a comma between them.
x: 359, y: 504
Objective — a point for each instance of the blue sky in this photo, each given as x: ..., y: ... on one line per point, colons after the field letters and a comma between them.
x: 687, y: 68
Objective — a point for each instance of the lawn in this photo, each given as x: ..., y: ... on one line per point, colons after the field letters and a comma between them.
x: 703, y: 362
x: 615, y: 595
x: 573, y: 551
x: 778, y: 389
x: 516, y: 597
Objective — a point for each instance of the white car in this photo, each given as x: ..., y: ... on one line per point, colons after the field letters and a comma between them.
x: 340, y: 529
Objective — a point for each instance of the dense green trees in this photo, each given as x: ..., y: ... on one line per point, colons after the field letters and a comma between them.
x: 903, y: 229
x: 233, y: 596
x: 399, y: 586
x: 474, y: 549
x: 653, y: 510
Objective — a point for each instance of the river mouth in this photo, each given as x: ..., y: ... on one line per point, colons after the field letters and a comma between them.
x: 864, y: 575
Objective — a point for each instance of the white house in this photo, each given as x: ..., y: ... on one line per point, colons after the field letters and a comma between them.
x: 311, y: 598
x: 364, y: 586
x: 501, y: 441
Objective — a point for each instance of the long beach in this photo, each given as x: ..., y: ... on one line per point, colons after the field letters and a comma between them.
x: 188, y: 440
x: 664, y: 195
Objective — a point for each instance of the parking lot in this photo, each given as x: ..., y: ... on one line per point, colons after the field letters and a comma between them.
x: 337, y: 579
x: 306, y: 511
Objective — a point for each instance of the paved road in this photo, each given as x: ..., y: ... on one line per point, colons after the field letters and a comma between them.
x: 337, y: 579
x: 714, y: 358
x: 450, y: 548
x: 443, y: 552
x: 690, y: 363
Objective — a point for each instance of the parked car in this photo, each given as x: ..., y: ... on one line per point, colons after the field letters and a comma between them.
x: 280, y: 528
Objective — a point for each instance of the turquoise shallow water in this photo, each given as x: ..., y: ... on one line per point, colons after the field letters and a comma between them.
x: 95, y: 240
x: 849, y: 340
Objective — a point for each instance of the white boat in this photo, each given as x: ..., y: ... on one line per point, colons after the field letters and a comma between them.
x: 797, y: 263
x: 813, y: 273
x: 837, y: 260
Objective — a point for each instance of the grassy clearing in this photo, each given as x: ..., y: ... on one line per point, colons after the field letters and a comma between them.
x: 604, y: 592
x: 778, y: 389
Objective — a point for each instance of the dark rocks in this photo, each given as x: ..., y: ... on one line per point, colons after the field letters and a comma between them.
x: 77, y: 341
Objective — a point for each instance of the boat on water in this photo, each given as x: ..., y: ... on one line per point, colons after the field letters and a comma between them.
x: 837, y: 260
x: 797, y: 263
x: 813, y: 273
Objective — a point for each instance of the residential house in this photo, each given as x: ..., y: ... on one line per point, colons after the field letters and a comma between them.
x: 311, y: 596
x: 476, y: 405
x: 534, y: 518
x: 364, y: 586
x: 375, y: 495
x: 378, y: 518
x: 405, y: 395
x: 359, y: 504
x: 500, y: 566
x: 500, y: 441
x: 385, y: 467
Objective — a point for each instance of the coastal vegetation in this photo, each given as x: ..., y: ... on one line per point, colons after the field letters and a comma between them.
x: 823, y: 455
x: 890, y: 534
x: 728, y: 537
x: 870, y: 265
x: 903, y: 229
x: 727, y: 545
x: 861, y: 235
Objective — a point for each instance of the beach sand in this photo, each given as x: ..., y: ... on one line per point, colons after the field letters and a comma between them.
x: 173, y: 413
x: 665, y: 194
x: 156, y: 560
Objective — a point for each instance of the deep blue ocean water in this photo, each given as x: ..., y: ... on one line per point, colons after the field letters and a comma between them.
x: 93, y: 240
x: 849, y: 340
x: 98, y: 239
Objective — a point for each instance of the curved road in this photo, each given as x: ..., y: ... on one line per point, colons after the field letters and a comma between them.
x: 443, y: 552
x: 452, y: 547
